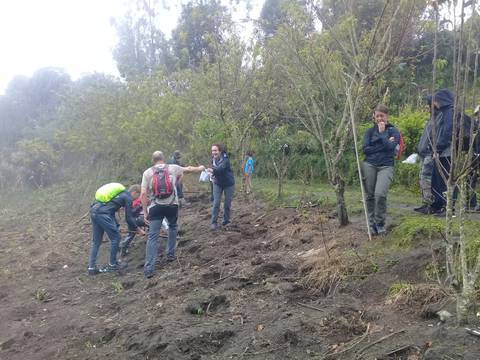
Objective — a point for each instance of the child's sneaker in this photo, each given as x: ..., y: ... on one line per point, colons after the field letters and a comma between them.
x: 124, y: 251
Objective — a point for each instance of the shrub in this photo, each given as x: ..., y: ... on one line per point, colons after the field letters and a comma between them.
x: 38, y: 162
x: 410, y: 123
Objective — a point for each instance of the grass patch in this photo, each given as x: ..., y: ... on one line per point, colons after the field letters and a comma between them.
x: 328, y: 273
x: 294, y: 192
x: 416, y: 296
x: 418, y: 228
x: 117, y: 287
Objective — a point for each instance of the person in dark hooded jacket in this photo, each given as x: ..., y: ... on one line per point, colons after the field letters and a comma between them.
x: 424, y: 149
x: 379, y: 146
x: 441, y: 136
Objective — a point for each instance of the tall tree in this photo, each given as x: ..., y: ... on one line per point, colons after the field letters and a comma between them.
x: 202, y: 23
x: 142, y: 48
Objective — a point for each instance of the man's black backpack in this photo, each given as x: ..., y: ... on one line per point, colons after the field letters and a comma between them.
x: 161, y: 184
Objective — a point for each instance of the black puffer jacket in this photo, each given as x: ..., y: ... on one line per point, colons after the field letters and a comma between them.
x: 222, y: 171
x: 377, y: 147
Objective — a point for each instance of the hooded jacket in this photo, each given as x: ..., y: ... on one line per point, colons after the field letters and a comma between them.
x: 424, y: 147
x: 378, y: 149
x: 442, y: 126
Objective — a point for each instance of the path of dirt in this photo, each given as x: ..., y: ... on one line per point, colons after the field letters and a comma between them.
x: 239, y: 293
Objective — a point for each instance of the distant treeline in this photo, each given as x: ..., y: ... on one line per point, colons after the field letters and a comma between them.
x: 209, y: 84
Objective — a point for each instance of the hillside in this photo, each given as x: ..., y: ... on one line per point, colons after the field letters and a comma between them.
x: 281, y: 283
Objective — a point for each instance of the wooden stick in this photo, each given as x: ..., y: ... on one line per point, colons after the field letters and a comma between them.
x: 225, y: 277
x: 266, y: 351
x: 82, y: 218
x: 310, y: 307
x: 354, y: 343
x: 473, y: 332
x: 380, y: 340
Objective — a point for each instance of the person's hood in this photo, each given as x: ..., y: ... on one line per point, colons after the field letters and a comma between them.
x: 444, y: 97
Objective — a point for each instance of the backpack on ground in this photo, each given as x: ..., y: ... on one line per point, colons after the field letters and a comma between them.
x: 161, y: 184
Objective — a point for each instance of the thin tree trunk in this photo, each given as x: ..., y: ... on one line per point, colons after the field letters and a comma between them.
x: 341, y: 207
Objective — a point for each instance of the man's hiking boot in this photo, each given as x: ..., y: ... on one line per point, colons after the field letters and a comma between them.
x: 421, y: 209
x: 93, y: 271
x: 214, y: 227
x: 114, y: 268
x: 381, y: 230
x: 426, y: 210
x: 442, y: 212
x: 373, y: 230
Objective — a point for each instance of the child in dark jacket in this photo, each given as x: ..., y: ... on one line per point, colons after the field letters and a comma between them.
x: 137, y: 213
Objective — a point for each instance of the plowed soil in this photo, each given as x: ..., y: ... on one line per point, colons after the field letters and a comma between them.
x: 276, y: 284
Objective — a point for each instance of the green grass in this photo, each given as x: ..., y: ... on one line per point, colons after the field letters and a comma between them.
x: 295, y: 191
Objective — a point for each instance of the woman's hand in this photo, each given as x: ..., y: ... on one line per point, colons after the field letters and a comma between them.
x: 381, y: 127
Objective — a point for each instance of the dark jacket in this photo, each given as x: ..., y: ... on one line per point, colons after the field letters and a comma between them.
x: 377, y: 147
x: 443, y: 125
x: 175, y: 161
x: 424, y: 147
x: 222, y: 172
x: 124, y: 199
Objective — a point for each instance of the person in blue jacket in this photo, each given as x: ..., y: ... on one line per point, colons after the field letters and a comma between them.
x: 248, y: 172
x: 223, y: 181
x: 379, y: 146
x: 102, y: 214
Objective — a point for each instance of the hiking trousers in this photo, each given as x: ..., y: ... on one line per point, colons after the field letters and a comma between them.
x: 426, y: 172
x: 103, y: 223
x: 376, y: 180
x: 156, y: 215
x: 227, y: 204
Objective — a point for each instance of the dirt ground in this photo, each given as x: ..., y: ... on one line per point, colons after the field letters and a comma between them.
x: 270, y: 286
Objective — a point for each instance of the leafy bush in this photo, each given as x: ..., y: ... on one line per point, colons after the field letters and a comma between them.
x: 38, y: 162
x: 407, y: 175
x: 410, y: 123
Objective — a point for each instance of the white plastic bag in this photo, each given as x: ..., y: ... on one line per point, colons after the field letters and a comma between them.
x: 165, y: 224
x: 411, y: 159
x: 204, y: 176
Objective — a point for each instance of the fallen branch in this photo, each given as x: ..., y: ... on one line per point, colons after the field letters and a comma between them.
x: 380, y: 340
x: 310, y: 307
x: 473, y: 332
x: 82, y: 218
x: 400, y: 349
x: 225, y: 277
x: 353, y: 343
x: 266, y: 351
x: 260, y: 217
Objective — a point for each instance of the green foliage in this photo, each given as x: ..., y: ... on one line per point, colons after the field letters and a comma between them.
x: 117, y: 287
x: 417, y: 229
x: 407, y: 175
x: 38, y: 161
x: 398, y: 287
x: 410, y: 123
